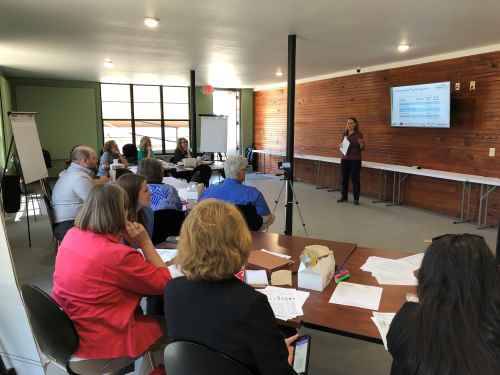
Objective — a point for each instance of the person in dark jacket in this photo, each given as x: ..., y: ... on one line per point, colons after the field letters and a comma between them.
x: 455, y: 327
x: 182, y: 151
x: 209, y: 305
x: 351, y: 161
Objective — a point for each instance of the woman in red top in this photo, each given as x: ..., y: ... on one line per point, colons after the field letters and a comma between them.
x: 99, y: 281
x: 351, y: 161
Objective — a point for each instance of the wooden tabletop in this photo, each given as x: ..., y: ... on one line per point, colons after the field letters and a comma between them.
x: 318, y: 312
x: 352, y: 321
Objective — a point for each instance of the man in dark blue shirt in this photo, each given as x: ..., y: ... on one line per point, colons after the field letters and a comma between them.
x: 233, y: 190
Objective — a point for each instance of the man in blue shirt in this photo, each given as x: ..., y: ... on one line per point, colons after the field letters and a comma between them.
x: 233, y: 190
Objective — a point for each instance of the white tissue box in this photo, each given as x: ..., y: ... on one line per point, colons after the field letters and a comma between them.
x: 317, y: 277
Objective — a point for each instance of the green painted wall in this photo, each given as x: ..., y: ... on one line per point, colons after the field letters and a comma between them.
x: 204, y: 106
x: 6, y: 106
x: 246, y: 118
x: 69, y: 113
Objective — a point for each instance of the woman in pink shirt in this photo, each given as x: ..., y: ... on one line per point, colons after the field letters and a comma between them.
x: 99, y: 281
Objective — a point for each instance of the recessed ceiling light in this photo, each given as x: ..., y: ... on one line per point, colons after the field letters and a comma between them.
x: 108, y: 63
x: 151, y: 22
x: 403, y: 47
x: 279, y: 73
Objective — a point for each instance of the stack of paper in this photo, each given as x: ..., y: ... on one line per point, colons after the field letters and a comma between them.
x: 393, y: 271
x: 383, y: 323
x: 286, y: 302
x: 167, y: 254
x: 256, y: 277
x: 357, y: 295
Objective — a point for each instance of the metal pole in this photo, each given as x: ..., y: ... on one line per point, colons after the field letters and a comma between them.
x: 192, y: 113
x: 290, y: 131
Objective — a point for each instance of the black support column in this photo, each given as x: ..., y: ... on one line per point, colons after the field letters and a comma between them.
x: 192, y: 114
x: 290, y: 132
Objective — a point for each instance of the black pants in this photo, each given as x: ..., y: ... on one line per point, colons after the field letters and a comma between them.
x: 61, y: 228
x: 352, y: 169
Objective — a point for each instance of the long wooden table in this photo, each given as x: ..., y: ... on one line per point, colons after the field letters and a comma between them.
x: 318, y: 312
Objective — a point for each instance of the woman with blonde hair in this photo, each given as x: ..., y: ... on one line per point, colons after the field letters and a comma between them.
x: 145, y: 149
x: 99, y: 282
x: 236, y: 319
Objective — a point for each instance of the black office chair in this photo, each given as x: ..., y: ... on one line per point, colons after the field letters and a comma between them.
x: 253, y: 219
x: 130, y: 152
x: 54, y: 331
x: 52, y: 217
x: 188, y: 358
x: 202, y: 174
x: 167, y: 223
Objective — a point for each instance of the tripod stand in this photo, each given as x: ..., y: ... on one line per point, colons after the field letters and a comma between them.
x: 288, y: 184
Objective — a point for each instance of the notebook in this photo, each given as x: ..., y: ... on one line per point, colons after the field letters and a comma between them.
x: 262, y: 259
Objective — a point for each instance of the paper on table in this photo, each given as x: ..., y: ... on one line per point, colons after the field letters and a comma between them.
x: 286, y: 303
x: 344, y: 146
x: 167, y: 254
x: 256, y: 277
x: 357, y: 295
x: 391, y: 271
x: 383, y: 323
x: 175, y: 271
x: 414, y: 260
x: 277, y: 254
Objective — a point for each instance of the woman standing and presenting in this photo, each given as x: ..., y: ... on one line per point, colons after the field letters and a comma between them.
x: 351, y: 161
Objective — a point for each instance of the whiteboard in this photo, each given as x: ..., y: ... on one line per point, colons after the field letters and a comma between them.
x: 213, y: 134
x: 28, y: 146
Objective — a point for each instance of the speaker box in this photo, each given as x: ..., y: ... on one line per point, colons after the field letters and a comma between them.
x: 11, y: 193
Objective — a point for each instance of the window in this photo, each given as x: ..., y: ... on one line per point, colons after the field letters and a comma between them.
x: 132, y: 111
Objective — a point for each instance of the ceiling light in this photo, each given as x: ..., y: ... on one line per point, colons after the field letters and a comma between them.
x: 151, y: 22
x: 108, y: 63
x: 403, y: 47
x: 279, y: 73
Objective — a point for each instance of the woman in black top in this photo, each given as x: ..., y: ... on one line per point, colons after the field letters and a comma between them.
x: 351, y: 161
x: 210, y: 305
x: 182, y: 150
x: 455, y: 328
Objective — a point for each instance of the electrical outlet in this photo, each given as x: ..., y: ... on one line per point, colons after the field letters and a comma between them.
x: 457, y: 86
x: 472, y: 85
x: 492, y: 152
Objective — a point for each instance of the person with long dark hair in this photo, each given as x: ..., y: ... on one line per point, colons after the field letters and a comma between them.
x: 351, y: 161
x: 455, y: 327
x: 139, y: 200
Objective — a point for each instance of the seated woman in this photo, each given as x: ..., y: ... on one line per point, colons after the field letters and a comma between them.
x: 455, y: 328
x: 182, y: 151
x: 163, y: 196
x: 139, y: 200
x: 236, y: 319
x: 145, y: 149
x: 110, y: 152
x: 99, y: 281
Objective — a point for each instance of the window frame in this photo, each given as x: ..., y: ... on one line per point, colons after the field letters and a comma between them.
x: 133, y: 118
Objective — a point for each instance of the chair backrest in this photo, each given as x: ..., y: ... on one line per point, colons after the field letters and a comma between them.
x: 50, y: 211
x: 253, y: 219
x: 202, y: 174
x: 188, y: 358
x: 130, y: 152
x: 167, y: 223
x: 53, y: 329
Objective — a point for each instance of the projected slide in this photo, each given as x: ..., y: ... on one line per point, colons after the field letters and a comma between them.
x: 421, y: 105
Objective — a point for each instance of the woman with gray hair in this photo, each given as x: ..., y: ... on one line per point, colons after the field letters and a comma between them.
x: 233, y: 190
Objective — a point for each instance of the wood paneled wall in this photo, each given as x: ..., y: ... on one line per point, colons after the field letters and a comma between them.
x: 322, y: 108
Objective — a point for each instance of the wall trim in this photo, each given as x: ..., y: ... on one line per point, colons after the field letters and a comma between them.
x: 379, y: 67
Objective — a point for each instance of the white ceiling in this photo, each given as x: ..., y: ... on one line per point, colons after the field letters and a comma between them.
x: 230, y: 43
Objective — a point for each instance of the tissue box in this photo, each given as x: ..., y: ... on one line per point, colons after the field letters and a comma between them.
x: 319, y: 276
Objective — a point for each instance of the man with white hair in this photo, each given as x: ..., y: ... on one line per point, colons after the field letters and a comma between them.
x: 72, y: 188
x: 233, y: 190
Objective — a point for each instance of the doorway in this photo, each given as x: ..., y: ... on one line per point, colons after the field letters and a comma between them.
x: 227, y: 102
